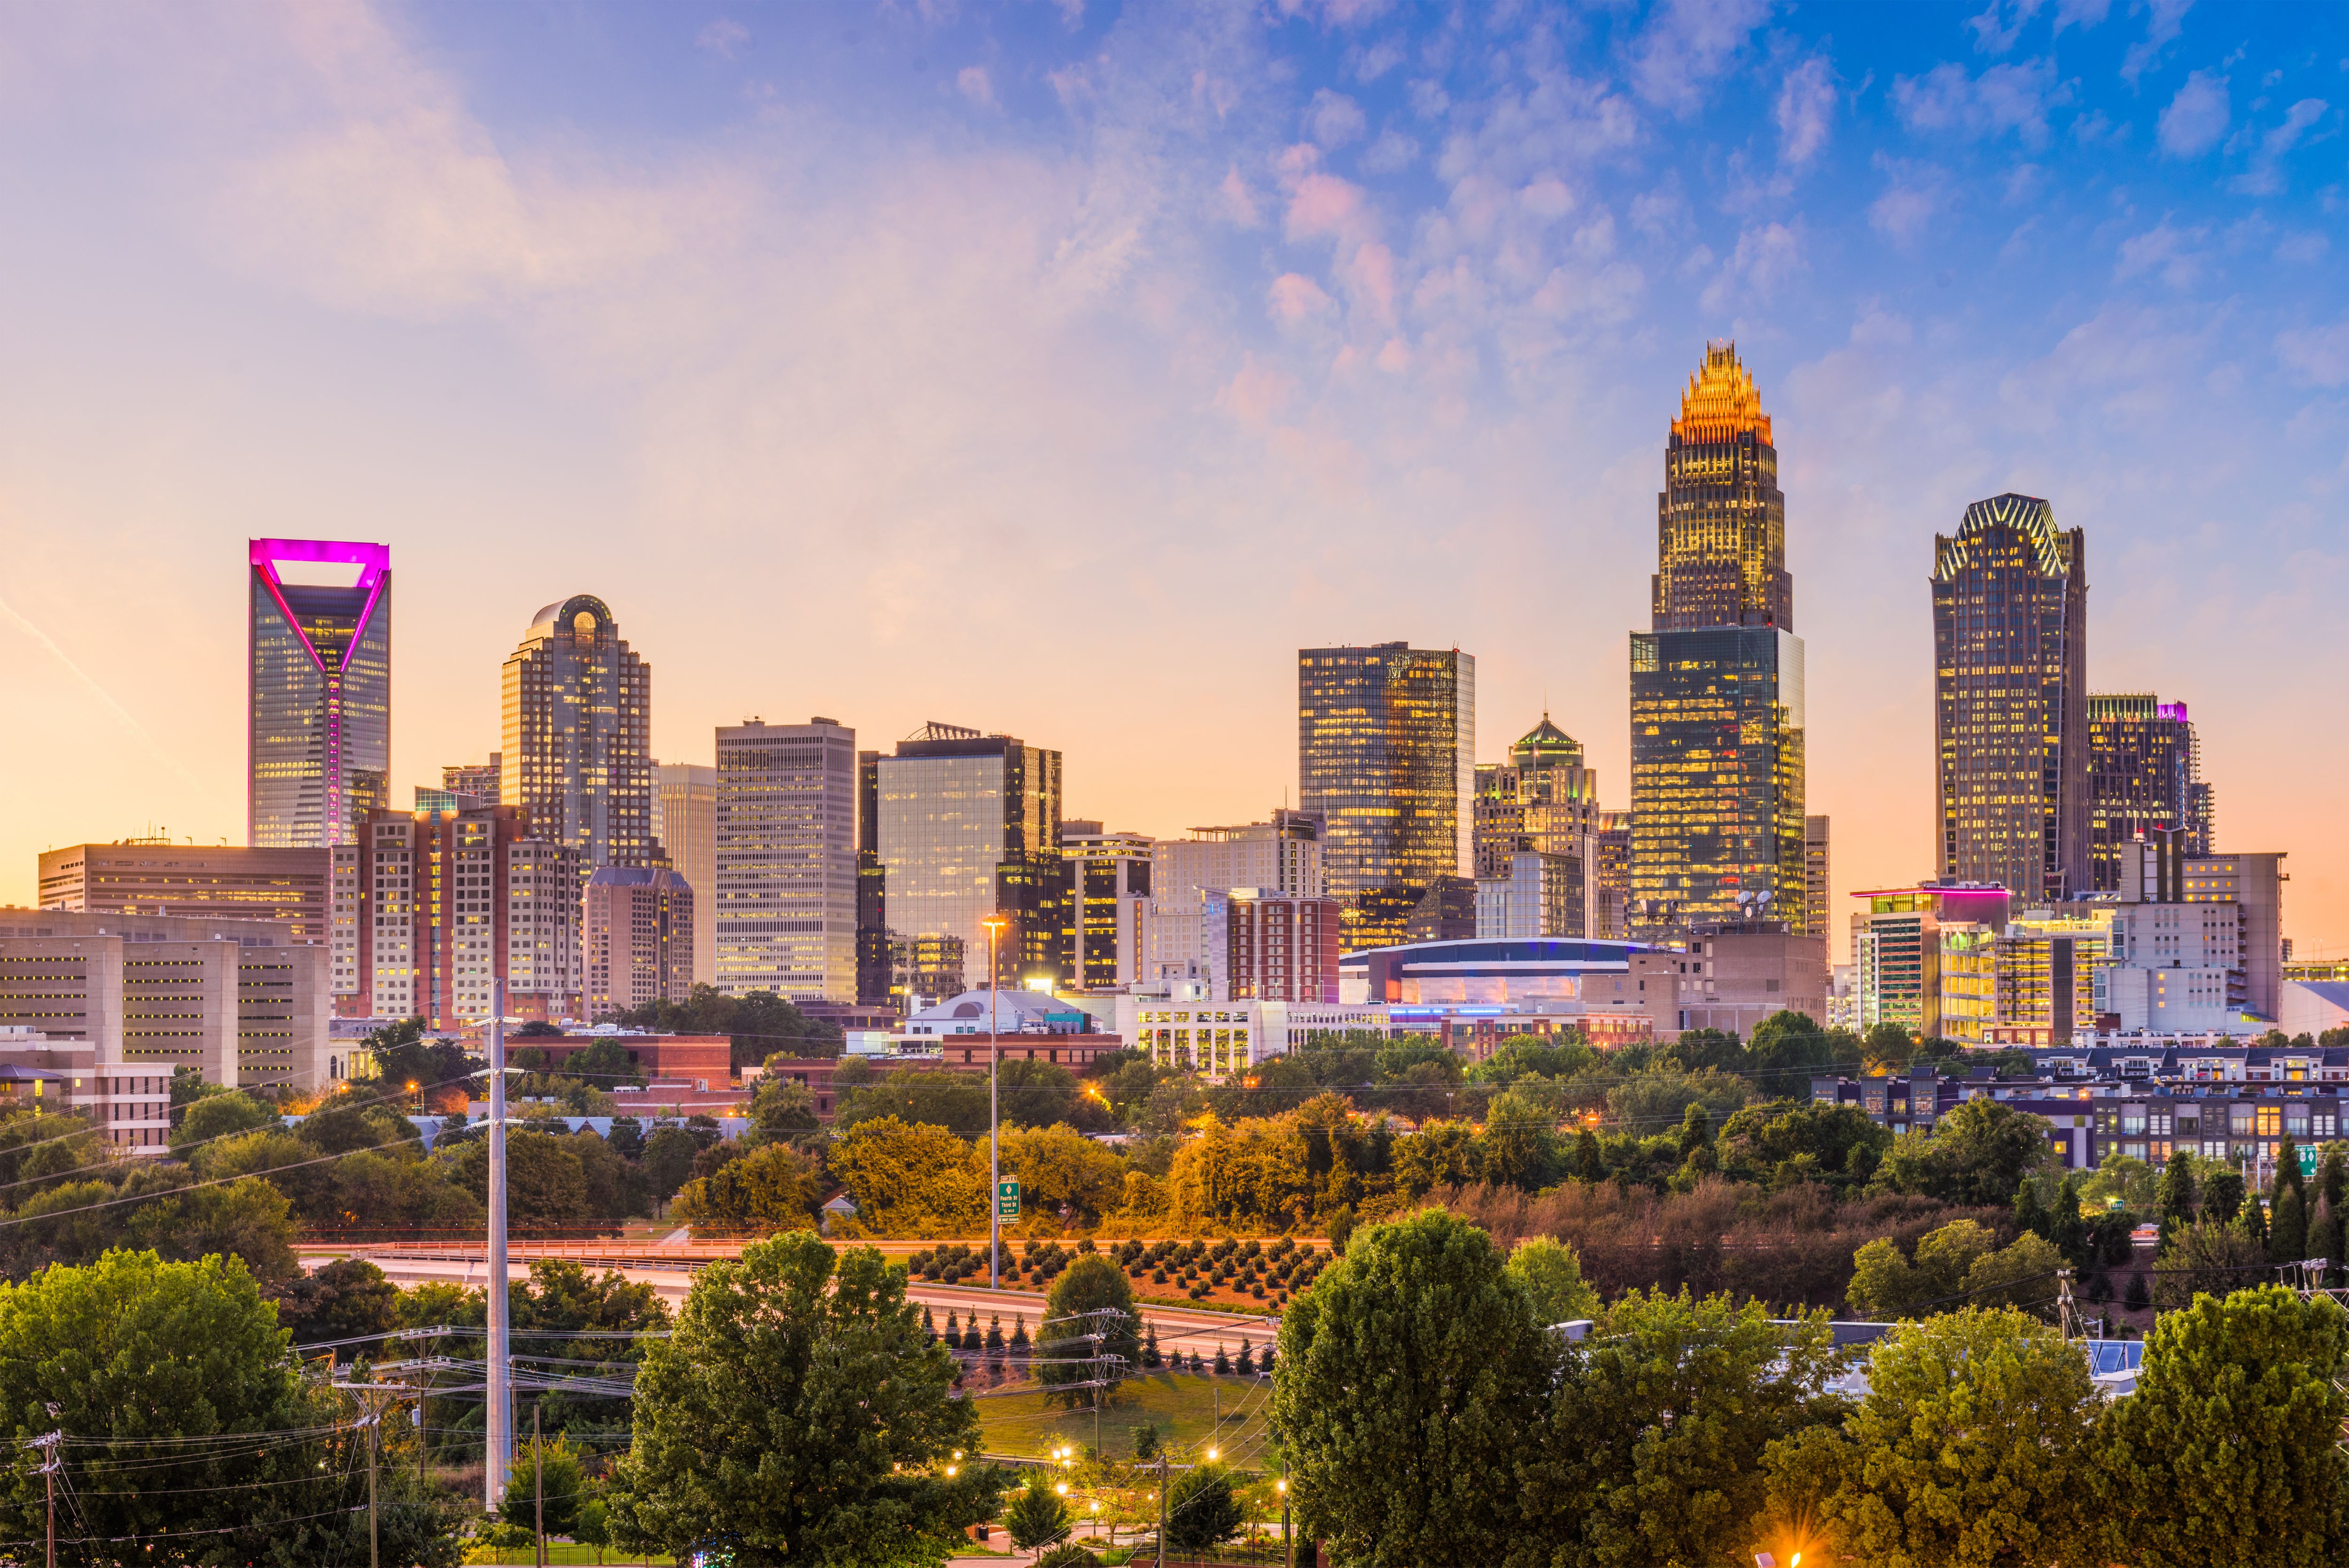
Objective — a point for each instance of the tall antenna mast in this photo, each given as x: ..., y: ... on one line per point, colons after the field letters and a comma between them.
x: 498, y: 1458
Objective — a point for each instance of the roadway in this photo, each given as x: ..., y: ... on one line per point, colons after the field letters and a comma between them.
x: 1186, y: 1329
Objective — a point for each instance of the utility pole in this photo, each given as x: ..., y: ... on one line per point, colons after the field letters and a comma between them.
x: 2063, y: 1302
x: 1161, y: 1508
x: 53, y: 1460
x: 994, y: 924
x: 498, y: 1455
x: 1288, y: 1541
x: 538, y: 1487
x: 373, y: 1423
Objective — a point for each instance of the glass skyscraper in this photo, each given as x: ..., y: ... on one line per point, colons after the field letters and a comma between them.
x: 2010, y: 688
x: 1386, y: 751
x: 2145, y: 774
x: 1718, y: 718
x: 318, y: 716
x: 966, y: 825
x: 577, y: 718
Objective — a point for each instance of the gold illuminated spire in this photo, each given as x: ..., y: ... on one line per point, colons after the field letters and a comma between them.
x: 1721, y: 403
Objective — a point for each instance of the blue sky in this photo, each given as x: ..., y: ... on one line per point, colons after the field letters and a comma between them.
x: 1062, y: 368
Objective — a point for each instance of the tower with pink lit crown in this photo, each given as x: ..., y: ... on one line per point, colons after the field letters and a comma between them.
x: 318, y: 736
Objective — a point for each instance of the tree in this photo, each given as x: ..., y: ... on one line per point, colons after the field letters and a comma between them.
x: 1068, y: 1555
x: 1885, y: 1286
x: 797, y: 1423
x: 1590, y: 1166
x: 782, y: 1106
x: 220, y: 1116
x: 2222, y: 1193
x: 2208, y: 1257
x: 1059, y: 1167
x: 133, y: 1356
x: 1202, y: 1512
x: 2228, y: 1451
x: 1653, y: 1447
x: 911, y: 1178
x: 668, y: 1160
x: 1974, y: 1445
x: 1091, y: 1285
x: 2176, y: 1199
x: 345, y: 1299
x: 1657, y: 1101
x: 1405, y: 1381
x: 1520, y: 1142
x: 80, y: 1222
x: 773, y: 1188
x: 1552, y: 1276
x: 544, y: 1180
x: 1038, y: 1518
x: 1976, y: 1156
x: 565, y: 1484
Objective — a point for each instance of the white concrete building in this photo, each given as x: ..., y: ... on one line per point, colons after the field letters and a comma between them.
x: 1279, y: 857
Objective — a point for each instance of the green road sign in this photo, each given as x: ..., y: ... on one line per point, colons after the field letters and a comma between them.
x: 1006, y: 1200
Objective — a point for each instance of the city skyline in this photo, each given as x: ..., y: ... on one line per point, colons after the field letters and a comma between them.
x: 2132, y: 314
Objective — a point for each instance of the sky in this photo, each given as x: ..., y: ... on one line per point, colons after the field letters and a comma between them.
x: 1062, y: 369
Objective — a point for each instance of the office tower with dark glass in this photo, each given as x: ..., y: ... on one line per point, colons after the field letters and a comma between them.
x: 577, y: 708
x: 786, y: 859
x: 2144, y: 775
x: 1718, y: 717
x: 964, y: 826
x: 318, y: 712
x: 1387, y: 759
x: 2011, y: 699
x: 1107, y: 903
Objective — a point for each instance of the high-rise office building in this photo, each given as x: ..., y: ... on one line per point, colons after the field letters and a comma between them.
x: 1281, y: 858
x: 1277, y: 947
x: 786, y: 854
x: 1107, y: 903
x: 966, y: 825
x: 2145, y: 774
x: 2011, y: 656
x: 1387, y: 759
x: 431, y: 909
x: 1541, y: 802
x: 1814, y: 877
x: 1611, y: 877
x: 464, y: 787
x: 638, y: 938
x: 577, y: 706
x: 318, y: 713
x: 1897, y: 951
x: 1718, y: 717
x: 218, y: 882
x: 685, y: 821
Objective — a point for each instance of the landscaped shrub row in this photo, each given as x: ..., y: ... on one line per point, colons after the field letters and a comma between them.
x: 1248, y: 1268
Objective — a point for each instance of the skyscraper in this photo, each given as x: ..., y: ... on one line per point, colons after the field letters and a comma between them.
x: 1541, y: 799
x: 964, y: 826
x: 2011, y: 656
x: 684, y: 820
x: 1387, y: 759
x: 577, y: 703
x: 318, y: 712
x: 1815, y: 876
x: 1107, y: 905
x: 2145, y: 774
x: 786, y: 859
x: 637, y: 932
x: 1718, y: 715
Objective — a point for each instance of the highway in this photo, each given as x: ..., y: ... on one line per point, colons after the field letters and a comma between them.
x: 1179, y: 1328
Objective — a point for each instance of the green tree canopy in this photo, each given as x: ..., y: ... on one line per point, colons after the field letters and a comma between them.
x: 220, y: 1116
x: 341, y: 1300
x: 2206, y: 1257
x: 773, y: 1188
x: 1976, y: 1156
x: 1037, y: 1517
x: 2230, y: 1450
x: 1202, y: 1510
x: 1406, y: 1380
x: 1550, y: 1275
x: 1974, y: 1445
x: 545, y: 1180
x: 798, y: 1416
x: 1092, y: 1283
x: 911, y: 1178
x: 1653, y: 1447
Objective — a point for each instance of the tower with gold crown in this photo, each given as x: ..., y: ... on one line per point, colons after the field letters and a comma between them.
x: 1717, y: 709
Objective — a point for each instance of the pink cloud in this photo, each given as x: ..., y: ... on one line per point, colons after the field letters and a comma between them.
x: 1296, y: 296
x: 1256, y: 393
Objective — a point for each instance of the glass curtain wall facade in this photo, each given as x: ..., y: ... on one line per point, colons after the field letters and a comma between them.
x: 1387, y: 759
x: 1718, y: 719
x: 966, y: 825
x: 318, y: 710
x: 786, y: 861
x: 2144, y: 775
x: 685, y: 823
x: 577, y: 717
x: 2010, y: 646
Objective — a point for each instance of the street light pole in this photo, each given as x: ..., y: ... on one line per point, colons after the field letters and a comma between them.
x: 499, y: 1454
x: 994, y: 924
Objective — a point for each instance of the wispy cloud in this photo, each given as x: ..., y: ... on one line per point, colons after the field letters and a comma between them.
x: 1805, y: 110
x: 2196, y: 117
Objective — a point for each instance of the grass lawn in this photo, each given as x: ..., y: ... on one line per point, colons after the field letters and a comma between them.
x: 1182, y: 1407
